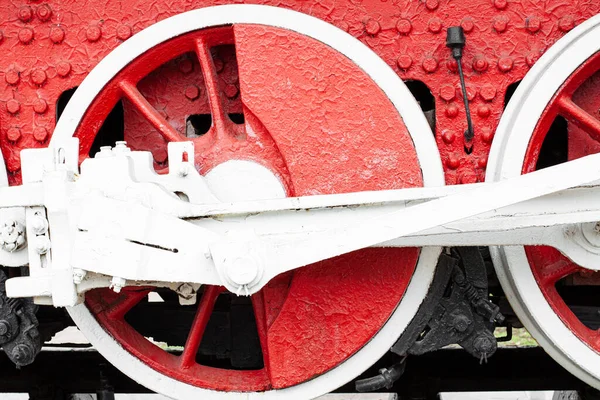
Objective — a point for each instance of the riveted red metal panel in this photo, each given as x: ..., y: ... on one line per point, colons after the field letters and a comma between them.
x: 49, y: 46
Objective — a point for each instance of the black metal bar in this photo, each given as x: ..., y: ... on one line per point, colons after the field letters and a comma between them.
x: 447, y: 370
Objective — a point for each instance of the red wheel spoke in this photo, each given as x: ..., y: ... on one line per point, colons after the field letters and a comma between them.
x: 578, y: 116
x: 549, y: 274
x: 205, y: 308
x: 149, y: 112
x: 126, y: 301
x: 211, y: 81
x: 258, y: 304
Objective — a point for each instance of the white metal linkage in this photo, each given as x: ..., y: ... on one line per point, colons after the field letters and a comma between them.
x: 117, y: 222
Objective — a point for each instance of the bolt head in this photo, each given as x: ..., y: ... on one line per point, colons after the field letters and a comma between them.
x: 22, y: 354
x: 44, y: 12
x: 242, y: 270
x: 461, y: 322
x: 372, y: 27
x: 13, y: 106
x: 57, y: 35
x: 403, y: 26
x: 25, y: 35
x: 4, y: 328
x: 40, y: 134
x: 39, y: 225
x: 117, y: 283
x: 12, y: 77
x: 483, y: 344
x: 42, y: 245
x: 63, y: 69
x: 192, y: 92
x: 185, y: 290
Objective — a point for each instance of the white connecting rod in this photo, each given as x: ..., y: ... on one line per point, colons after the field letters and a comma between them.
x: 127, y: 223
x: 279, y: 255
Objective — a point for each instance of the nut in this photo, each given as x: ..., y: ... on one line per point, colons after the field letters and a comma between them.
x: 117, y: 283
x: 12, y: 236
x: 78, y: 275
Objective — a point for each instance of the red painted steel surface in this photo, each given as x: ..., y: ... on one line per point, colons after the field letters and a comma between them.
x: 578, y: 103
x: 319, y: 138
x: 48, y: 47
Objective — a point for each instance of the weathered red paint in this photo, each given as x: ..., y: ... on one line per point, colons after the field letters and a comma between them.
x: 577, y: 101
x: 50, y: 46
x: 315, y: 132
x: 65, y: 39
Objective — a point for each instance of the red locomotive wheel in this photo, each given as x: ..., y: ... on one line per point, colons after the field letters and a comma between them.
x: 320, y: 124
x: 553, y: 117
x: 576, y: 101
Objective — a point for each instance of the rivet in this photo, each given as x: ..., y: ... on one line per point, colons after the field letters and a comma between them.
x: 429, y: 64
x: 451, y: 111
x: 403, y: 26
x: 500, y: 4
x: 93, y: 33
x: 231, y: 91
x: 487, y: 135
x: 435, y: 25
x: 13, y: 134
x: 448, y: 137
x: 38, y: 77
x: 44, y: 12
x: 404, y: 61
x: 40, y: 134
x: 192, y: 92
x: 452, y: 65
x: 500, y: 24
x: 488, y: 92
x: 13, y: 106
x: 480, y: 64
x: 11, y: 77
x: 533, y: 24
x: 160, y: 156
x: 25, y: 35
x: 25, y: 14
x: 483, y: 111
x: 372, y: 27
x: 566, y: 23
x: 482, y: 162
x: 57, y: 34
x: 432, y: 4
x: 186, y: 66
x: 452, y: 162
x: 467, y: 24
x: 531, y: 58
x: 63, y: 69
x: 40, y: 106
x: 123, y: 32
x: 505, y: 64
x: 447, y: 92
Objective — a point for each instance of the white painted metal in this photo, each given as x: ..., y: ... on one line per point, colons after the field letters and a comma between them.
x: 122, y: 220
x: 392, y: 87
x: 243, y: 180
x: 112, y: 224
x: 506, y: 160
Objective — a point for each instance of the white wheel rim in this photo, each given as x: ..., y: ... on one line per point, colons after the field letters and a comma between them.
x: 506, y: 160
x: 390, y: 84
